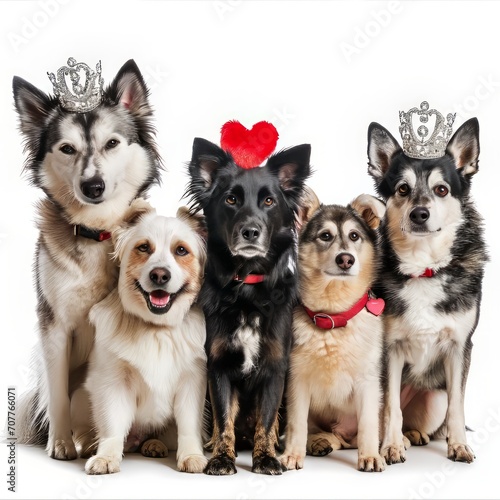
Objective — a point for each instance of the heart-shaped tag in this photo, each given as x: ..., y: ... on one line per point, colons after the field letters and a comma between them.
x: 375, y: 306
x: 249, y: 148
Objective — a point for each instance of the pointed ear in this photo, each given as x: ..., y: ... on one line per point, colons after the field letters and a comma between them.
x: 371, y: 209
x: 309, y: 203
x: 292, y: 168
x: 381, y: 149
x: 33, y: 107
x: 195, y: 220
x: 135, y: 211
x: 464, y: 147
x: 129, y: 89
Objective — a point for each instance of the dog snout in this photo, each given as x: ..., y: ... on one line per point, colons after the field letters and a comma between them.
x: 250, y: 233
x: 93, y: 188
x: 345, y: 260
x: 419, y: 215
x: 160, y: 276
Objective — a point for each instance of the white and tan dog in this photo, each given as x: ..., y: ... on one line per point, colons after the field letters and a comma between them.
x: 334, y: 389
x: 148, y: 365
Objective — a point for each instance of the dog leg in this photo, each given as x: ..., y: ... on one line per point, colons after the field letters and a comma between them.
x: 225, y: 408
x: 458, y: 450
x: 154, y: 448
x: 264, y: 459
x: 113, y: 412
x: 188, y: 411
x: 368, y: 409
x: 393, y: 444
x: 56, y: 346
x: 81, y: 421
x: 299, y: 399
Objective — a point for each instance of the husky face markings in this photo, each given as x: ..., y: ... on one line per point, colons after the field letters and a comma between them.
x: 431, y: 225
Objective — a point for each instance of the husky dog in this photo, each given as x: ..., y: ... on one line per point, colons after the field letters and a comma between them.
x: 334, y: 392
x: 248, y: 295
x: 148, y: 364
x: 433, y: 265
x: 90, y: 166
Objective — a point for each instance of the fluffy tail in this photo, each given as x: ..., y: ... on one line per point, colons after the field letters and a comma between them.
x: 32, y: 426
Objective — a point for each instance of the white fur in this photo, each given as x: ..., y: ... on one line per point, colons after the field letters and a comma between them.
x: 148, y: 369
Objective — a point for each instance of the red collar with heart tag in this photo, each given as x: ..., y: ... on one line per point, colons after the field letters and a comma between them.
x: 328, y: 321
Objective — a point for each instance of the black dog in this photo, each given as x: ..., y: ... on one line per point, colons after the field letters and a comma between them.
x: 248, y: 295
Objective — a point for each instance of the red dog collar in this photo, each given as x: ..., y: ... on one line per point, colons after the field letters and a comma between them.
x: 91, y: 234
x: 428, y: 273
x: 250, y: 279
x: 328, y: 321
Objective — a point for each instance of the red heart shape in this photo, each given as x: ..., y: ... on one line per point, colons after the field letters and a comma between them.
x: 376, y: 306
x: 249, y: 148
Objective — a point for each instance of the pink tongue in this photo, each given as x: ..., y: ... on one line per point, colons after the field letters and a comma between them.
x: 159, y: 298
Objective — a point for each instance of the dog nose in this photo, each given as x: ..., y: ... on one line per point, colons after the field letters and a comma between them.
x: 345, y: 260
x: 419, y: 215
x: 159, y: 276
x: 93, y: 188
x: 250, y: 233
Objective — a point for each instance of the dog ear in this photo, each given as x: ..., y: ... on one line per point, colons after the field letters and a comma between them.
x: 129, y: 89
x: 309, y: 203
x: 135, y: 211
x: 207, y: 158
x: 195, y: 220
x: 33, y: 107
x: 381, y: 149
x: 371, y: 209
x: 464, y: 147
x: 292, y: 168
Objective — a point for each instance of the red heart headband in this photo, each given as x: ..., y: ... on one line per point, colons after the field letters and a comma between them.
x: 249, y: 148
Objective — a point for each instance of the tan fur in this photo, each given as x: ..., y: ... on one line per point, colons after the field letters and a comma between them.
x: 334, y: 391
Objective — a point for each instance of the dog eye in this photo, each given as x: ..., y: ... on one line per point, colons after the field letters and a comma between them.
x: 112, y: 143
x: 268, y: 202
x: 404, y: 189
x: 181, y: 251
x: 325, y: 236
x: 441, y: 191
x: 354, y: 236
x: 67, y: 149
x: 231, y: 200
x: 143, y: 248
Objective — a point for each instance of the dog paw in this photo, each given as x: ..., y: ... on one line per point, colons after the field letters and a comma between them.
x: 102, y: 465
x: 393, y: 454
x: 417, y: 438
x: 192, y: 463
x: 62, y: 449
x: 371, y: 464
x: 460, y: 453
x: 154, y: 448
x: 267, y: 465
x: 221, y: 465
x: 321, y: 447
x: 292, y: 461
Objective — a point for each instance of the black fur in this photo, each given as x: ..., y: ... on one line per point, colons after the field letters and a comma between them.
x: 265, y: 307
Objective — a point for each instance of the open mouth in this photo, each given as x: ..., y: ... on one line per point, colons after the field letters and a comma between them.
x: 158, y: 301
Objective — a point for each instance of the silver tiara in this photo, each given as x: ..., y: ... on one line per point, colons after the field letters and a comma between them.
x: 86, y: 86
x: 418, y: 140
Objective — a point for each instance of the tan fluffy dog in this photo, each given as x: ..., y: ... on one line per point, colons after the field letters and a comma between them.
x: 334, y: 392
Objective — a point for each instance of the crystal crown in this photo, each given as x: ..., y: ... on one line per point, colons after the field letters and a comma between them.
x: 418, y: 140
x: 86, y: 86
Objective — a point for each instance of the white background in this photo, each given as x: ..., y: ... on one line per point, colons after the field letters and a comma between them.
x: 321, y: 72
